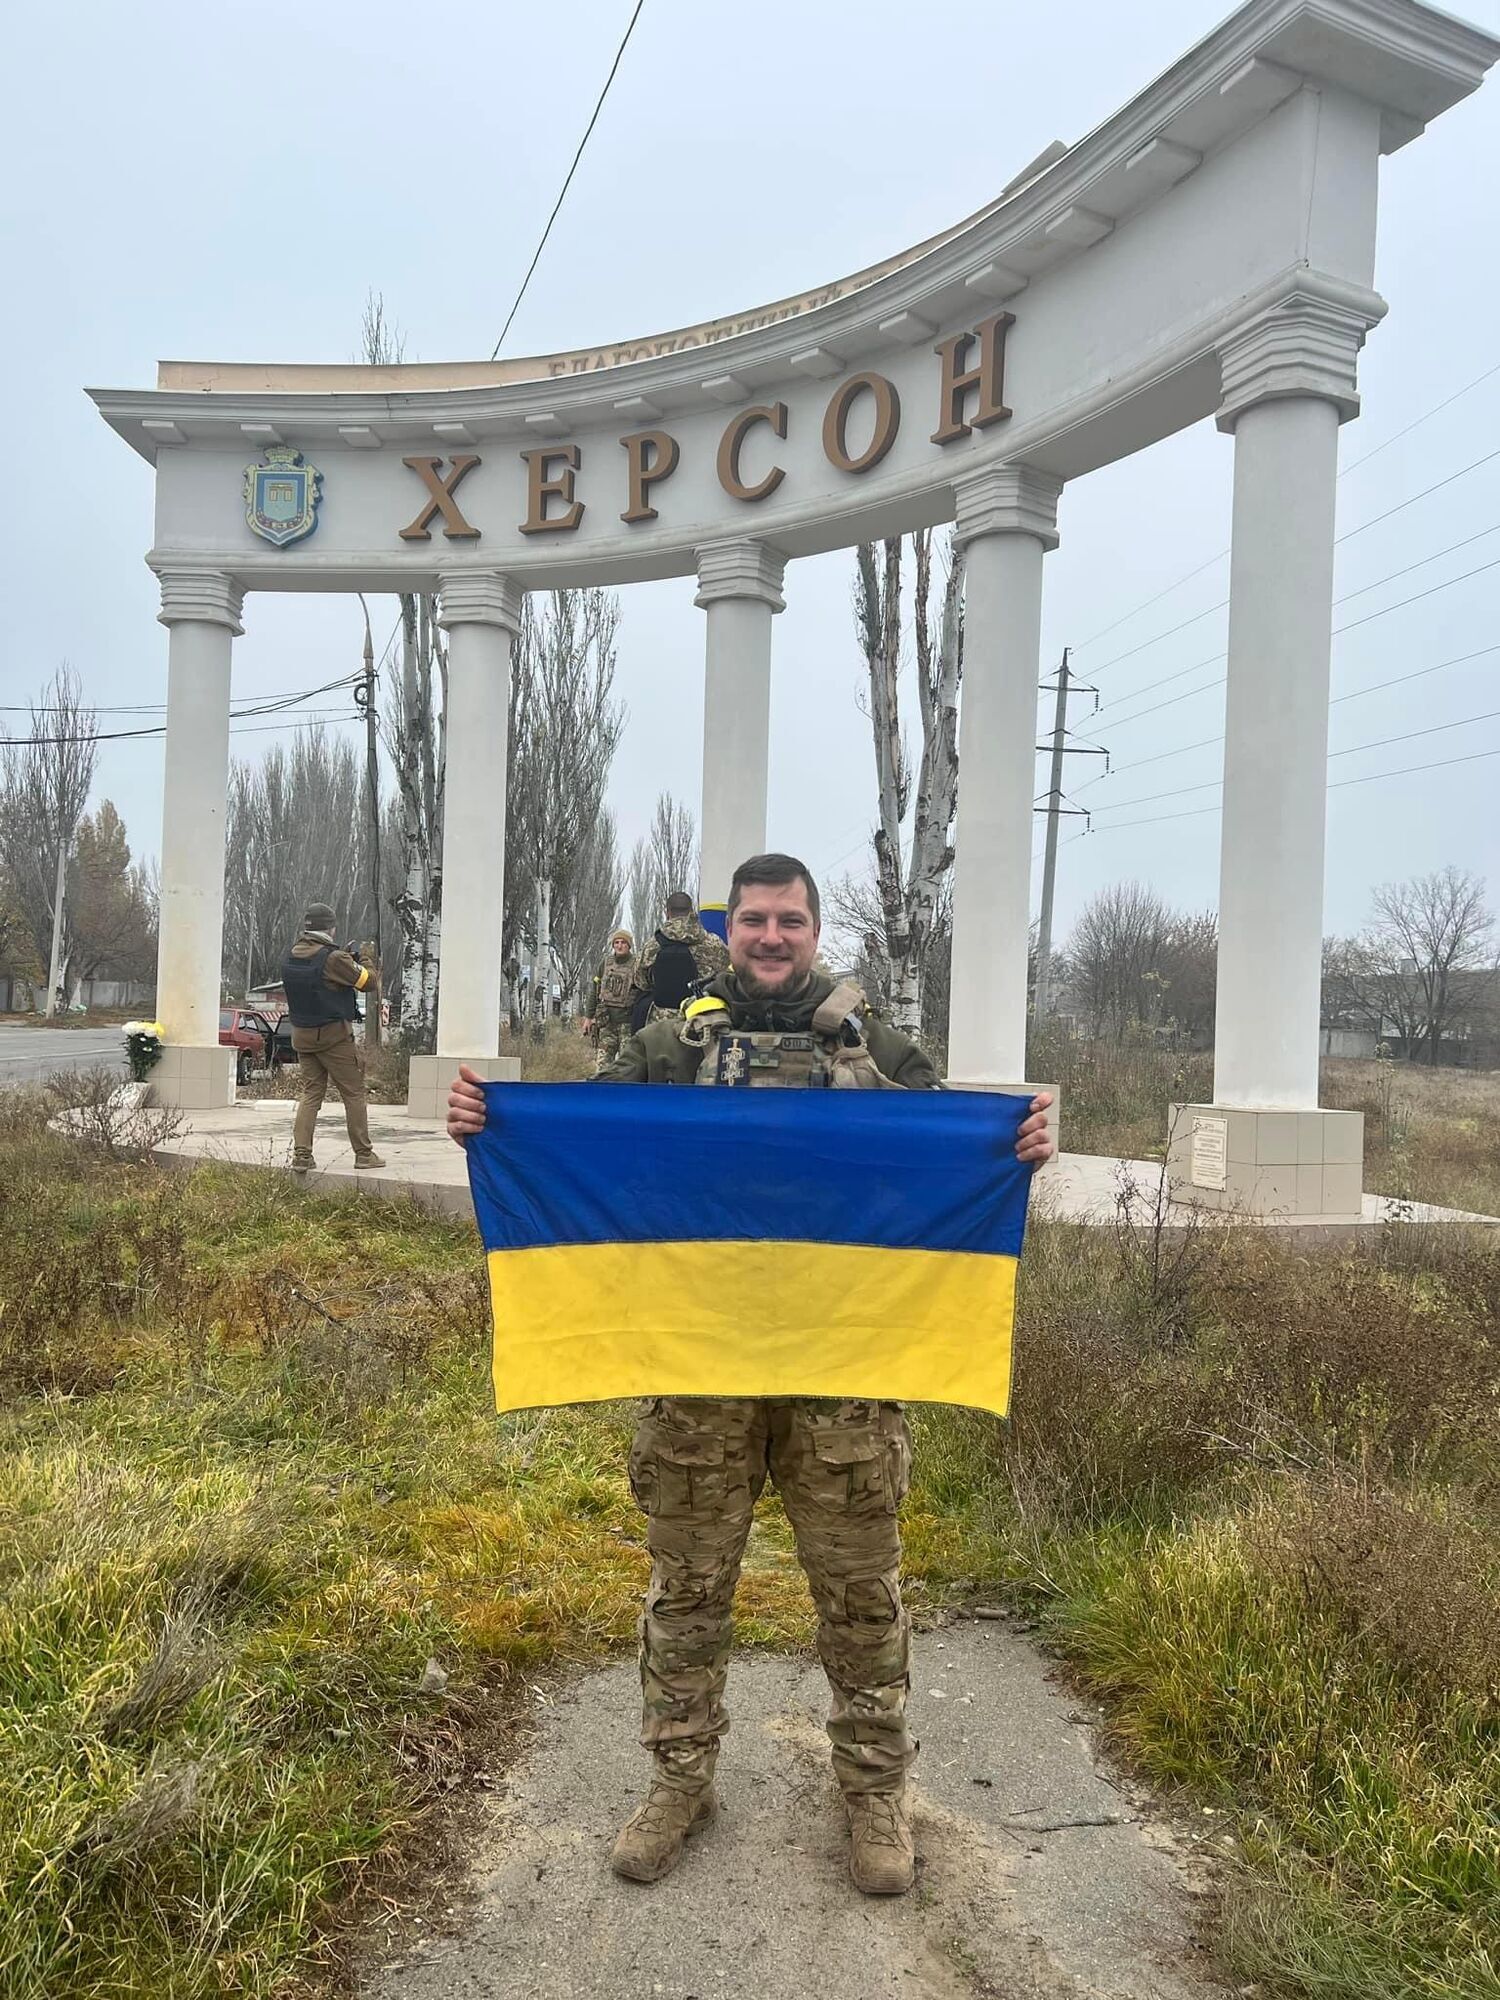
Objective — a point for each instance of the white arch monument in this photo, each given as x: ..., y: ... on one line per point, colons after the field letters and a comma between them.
x: 1207, y: 251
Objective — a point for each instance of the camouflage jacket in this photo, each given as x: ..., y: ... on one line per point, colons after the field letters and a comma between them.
x: 658, y: 1053
x: 710, y: 954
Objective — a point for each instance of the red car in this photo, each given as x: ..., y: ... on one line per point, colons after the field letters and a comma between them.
x: 252, y: 1034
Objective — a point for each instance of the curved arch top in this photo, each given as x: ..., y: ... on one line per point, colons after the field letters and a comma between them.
x: 1080, y: 316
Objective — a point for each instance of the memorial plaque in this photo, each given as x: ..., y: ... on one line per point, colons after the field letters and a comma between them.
x: 1210, y: 1166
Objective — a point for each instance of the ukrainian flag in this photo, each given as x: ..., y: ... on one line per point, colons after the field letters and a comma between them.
x: 659, y: 1242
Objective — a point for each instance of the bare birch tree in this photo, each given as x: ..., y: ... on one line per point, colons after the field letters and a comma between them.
x: 45, y: 779
x: 566, y: 725
x: 911, y: 869
x: 640, y: 891
x: 414, y: 729
x: 588, y: 907
x: 664, y: 859
x: 296, y: 832
x: 416, y: 739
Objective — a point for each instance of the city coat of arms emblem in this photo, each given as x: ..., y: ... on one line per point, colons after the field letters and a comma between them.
x: 281, y: 496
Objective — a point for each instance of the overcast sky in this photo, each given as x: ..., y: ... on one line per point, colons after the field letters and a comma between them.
x: 226, y: 183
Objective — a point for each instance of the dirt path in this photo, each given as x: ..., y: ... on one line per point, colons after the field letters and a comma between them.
x: 1039, y: 1877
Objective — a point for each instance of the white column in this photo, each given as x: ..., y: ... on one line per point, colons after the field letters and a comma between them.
x: 481, y: 613
x: 1006, y: 522
x: 201, y: 611
x: 739, y: 589
x: 1288, y: 385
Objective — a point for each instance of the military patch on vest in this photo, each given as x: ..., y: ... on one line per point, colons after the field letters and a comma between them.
x: 734, y: 1055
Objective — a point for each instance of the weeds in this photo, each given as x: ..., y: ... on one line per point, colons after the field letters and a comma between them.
x: 1431, y: 1135
x: 561, y: 1056
x: 1115, y: 1095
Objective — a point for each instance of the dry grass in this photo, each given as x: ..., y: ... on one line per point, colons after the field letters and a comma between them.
x: 562, y: 1055
x: 1431, y: 1135
x: 1115, y: 1094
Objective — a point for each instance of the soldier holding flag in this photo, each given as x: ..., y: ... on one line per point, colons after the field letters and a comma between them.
x: 698, y: 1464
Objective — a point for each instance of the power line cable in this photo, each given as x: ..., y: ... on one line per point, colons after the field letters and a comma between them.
x: 1347, y: 596
x: 1401, y: 603
x: 261, y: 704
x: 1344, y: 471
x: 1146, y: 604
x: 1354, y: 694
x: 1370, y: 778
x: 316, y: 721
x: 1351, y: 625
x: 1418, y: 673
x: 1412, y: 498
x: 1349, y: 750
x: 1396, y: 436
x: 1338, y: 541
x: 588, y: 130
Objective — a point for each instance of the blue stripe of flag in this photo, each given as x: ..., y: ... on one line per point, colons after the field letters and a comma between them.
x: 562, y: 1163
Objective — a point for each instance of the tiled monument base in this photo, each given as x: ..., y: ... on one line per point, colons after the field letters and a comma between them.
x: 1054, y: 1110
x: 1267, y: 1162
x: 191, y: 1079
x: 427, y: 1087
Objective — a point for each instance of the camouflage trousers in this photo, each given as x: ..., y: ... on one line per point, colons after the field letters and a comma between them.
x: 697, y: 1467
x: 609, y: 1037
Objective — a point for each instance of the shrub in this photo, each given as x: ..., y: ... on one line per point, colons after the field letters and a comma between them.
x: 1115, y: 1094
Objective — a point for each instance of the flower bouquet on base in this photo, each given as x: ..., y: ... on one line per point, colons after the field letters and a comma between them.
x: 143, y: 1042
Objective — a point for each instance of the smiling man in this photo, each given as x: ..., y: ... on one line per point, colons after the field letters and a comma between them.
x: 698, y: 1465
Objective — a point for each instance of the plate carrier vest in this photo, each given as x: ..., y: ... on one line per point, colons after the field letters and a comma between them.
x: 310, y: 1000
x: 616, y: 985
x: 829, y: 1054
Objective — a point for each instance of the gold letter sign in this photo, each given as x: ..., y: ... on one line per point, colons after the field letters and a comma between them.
x: 773, y: 414
x: 429, y: 471
x: 646, y: 471
x: 987, y: 376
x: 542, y: 485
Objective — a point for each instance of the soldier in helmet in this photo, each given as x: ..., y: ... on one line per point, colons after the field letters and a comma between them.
x: 677, y: 959
x: 611, y: 996
x: 697, y: 1465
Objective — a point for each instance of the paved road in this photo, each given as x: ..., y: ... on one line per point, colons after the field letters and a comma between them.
x: 1040, y: 1878
x: 29, y: 1055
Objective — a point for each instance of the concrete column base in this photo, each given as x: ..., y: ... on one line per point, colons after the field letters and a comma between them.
x: 1054, y: 1113
x: 1267, y: 1162
x: 427, y: 1088
x: 193, y: 1079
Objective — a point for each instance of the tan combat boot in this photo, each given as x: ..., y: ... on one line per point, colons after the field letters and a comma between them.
x: 650, y: 1842
x: 882, y: 1859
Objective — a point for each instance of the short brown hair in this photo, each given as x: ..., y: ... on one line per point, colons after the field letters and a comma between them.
x: 774, y: 871
x: 679, y: 904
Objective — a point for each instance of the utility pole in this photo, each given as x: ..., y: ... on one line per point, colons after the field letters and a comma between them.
x: 1054, y: 808
x: 364, y: 697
